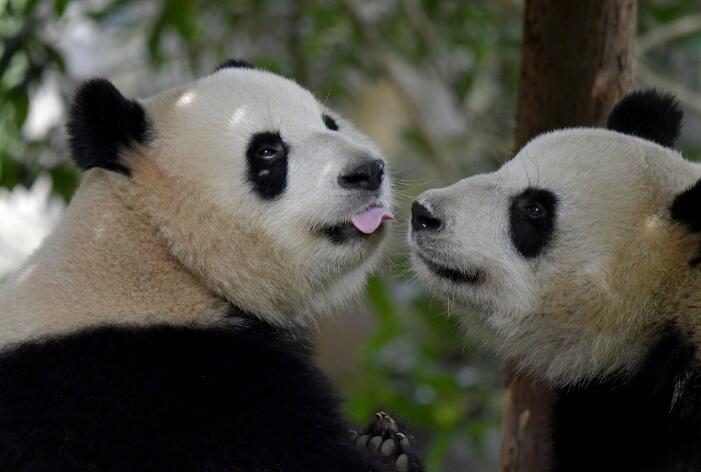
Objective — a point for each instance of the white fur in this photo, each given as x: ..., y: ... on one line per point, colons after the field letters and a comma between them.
x: 185, y: 234
x: 588, y: 305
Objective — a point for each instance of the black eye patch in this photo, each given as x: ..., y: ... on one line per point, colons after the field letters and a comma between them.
x: 330, y: 122
x: 267, y: 164
x: 532, y: 220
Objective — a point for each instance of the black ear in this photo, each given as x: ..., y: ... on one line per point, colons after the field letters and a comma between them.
x: 648, y: 114
x: 686, y: 208
x: 102, y: 124
x: 234, y: 64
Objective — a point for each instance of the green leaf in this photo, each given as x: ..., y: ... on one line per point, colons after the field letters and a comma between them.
x: 55, y: 57
x: 154, y: 38
x: 9, y: 171
x: 65, y: 178
x: 182, y: 16
x: 437, y: 449
x: 20, y: 101
x: 380, y: 300
x: 60, y: 6
x: 29, y: 7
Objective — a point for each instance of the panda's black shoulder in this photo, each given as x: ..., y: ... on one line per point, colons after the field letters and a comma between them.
x: 647, y: 419
x: 169, y: 398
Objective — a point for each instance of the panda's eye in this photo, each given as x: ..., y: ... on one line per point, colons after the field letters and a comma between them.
x: 268, y: 151
x: 536, y: 211
x: 266, y: 156
x: 532, y: 220
x: 330, y: 122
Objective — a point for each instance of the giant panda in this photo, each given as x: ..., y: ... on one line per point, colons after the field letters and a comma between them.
x: 578, y: 260
x: 162, y: 325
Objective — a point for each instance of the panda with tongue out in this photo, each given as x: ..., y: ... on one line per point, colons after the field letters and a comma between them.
x: 162, y: 325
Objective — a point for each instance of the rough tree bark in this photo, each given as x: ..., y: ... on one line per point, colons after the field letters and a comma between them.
x: 577, y: 61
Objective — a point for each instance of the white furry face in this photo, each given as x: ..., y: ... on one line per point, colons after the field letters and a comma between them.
x: 253, y: 184
x: 563, y: 255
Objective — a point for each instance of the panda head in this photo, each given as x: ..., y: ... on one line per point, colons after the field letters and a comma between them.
x: 273, y: 201
x: 579, y: 251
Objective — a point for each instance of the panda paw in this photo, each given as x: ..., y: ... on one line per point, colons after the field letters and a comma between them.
x: 392, y: 448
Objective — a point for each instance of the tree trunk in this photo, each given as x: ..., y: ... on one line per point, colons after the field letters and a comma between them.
x: 577, y: 61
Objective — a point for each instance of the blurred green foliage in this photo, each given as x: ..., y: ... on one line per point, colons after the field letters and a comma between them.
x: 416, y: 362
x: 24, y: 58
x: 418, y: 365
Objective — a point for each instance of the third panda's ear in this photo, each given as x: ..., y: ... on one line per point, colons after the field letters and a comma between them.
x: 102, y: 124
x: 648, y: 114
x: 234, y: 64
x: 686, y: 208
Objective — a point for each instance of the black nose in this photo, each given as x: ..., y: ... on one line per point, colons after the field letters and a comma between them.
x: 422, y: 219
x: 366, y: 176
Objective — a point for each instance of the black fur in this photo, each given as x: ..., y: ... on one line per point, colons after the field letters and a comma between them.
x: 648, y: 114
x: 649, y: 422
x: 686, y: 206
x: 685, y: 210
x: 532, y: 221
x: 234, y: 64
x: 171, y: 399
x: 329, y: 122
x: 267, y: 164
x: 103, y: 124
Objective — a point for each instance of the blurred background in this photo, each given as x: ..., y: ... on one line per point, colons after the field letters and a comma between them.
x: 432, y: 81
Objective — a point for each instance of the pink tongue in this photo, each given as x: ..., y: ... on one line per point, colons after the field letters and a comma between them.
x: 368, y: 221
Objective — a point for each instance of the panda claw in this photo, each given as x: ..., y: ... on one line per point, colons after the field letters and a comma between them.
x: 392, y: 448
x: 404, y: 442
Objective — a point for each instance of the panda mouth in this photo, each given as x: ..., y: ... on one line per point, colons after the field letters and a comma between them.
x: 453, y: 274
x: 343, y: 233
x: 346, y: 232
x: 361, y: 225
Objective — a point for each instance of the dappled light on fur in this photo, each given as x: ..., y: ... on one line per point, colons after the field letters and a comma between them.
x: 25, y: 272
x: 653, y: 223
x: 186, y: 99
x: 237, y: 116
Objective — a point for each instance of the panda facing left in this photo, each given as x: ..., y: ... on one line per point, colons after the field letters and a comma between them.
x: 162, y: 325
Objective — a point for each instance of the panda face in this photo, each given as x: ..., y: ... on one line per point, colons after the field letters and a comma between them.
x: 274, y: 201
x: 564, y: 255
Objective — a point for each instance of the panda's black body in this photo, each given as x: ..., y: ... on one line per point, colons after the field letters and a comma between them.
x: 646, y: 422
x: 171, y: 398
